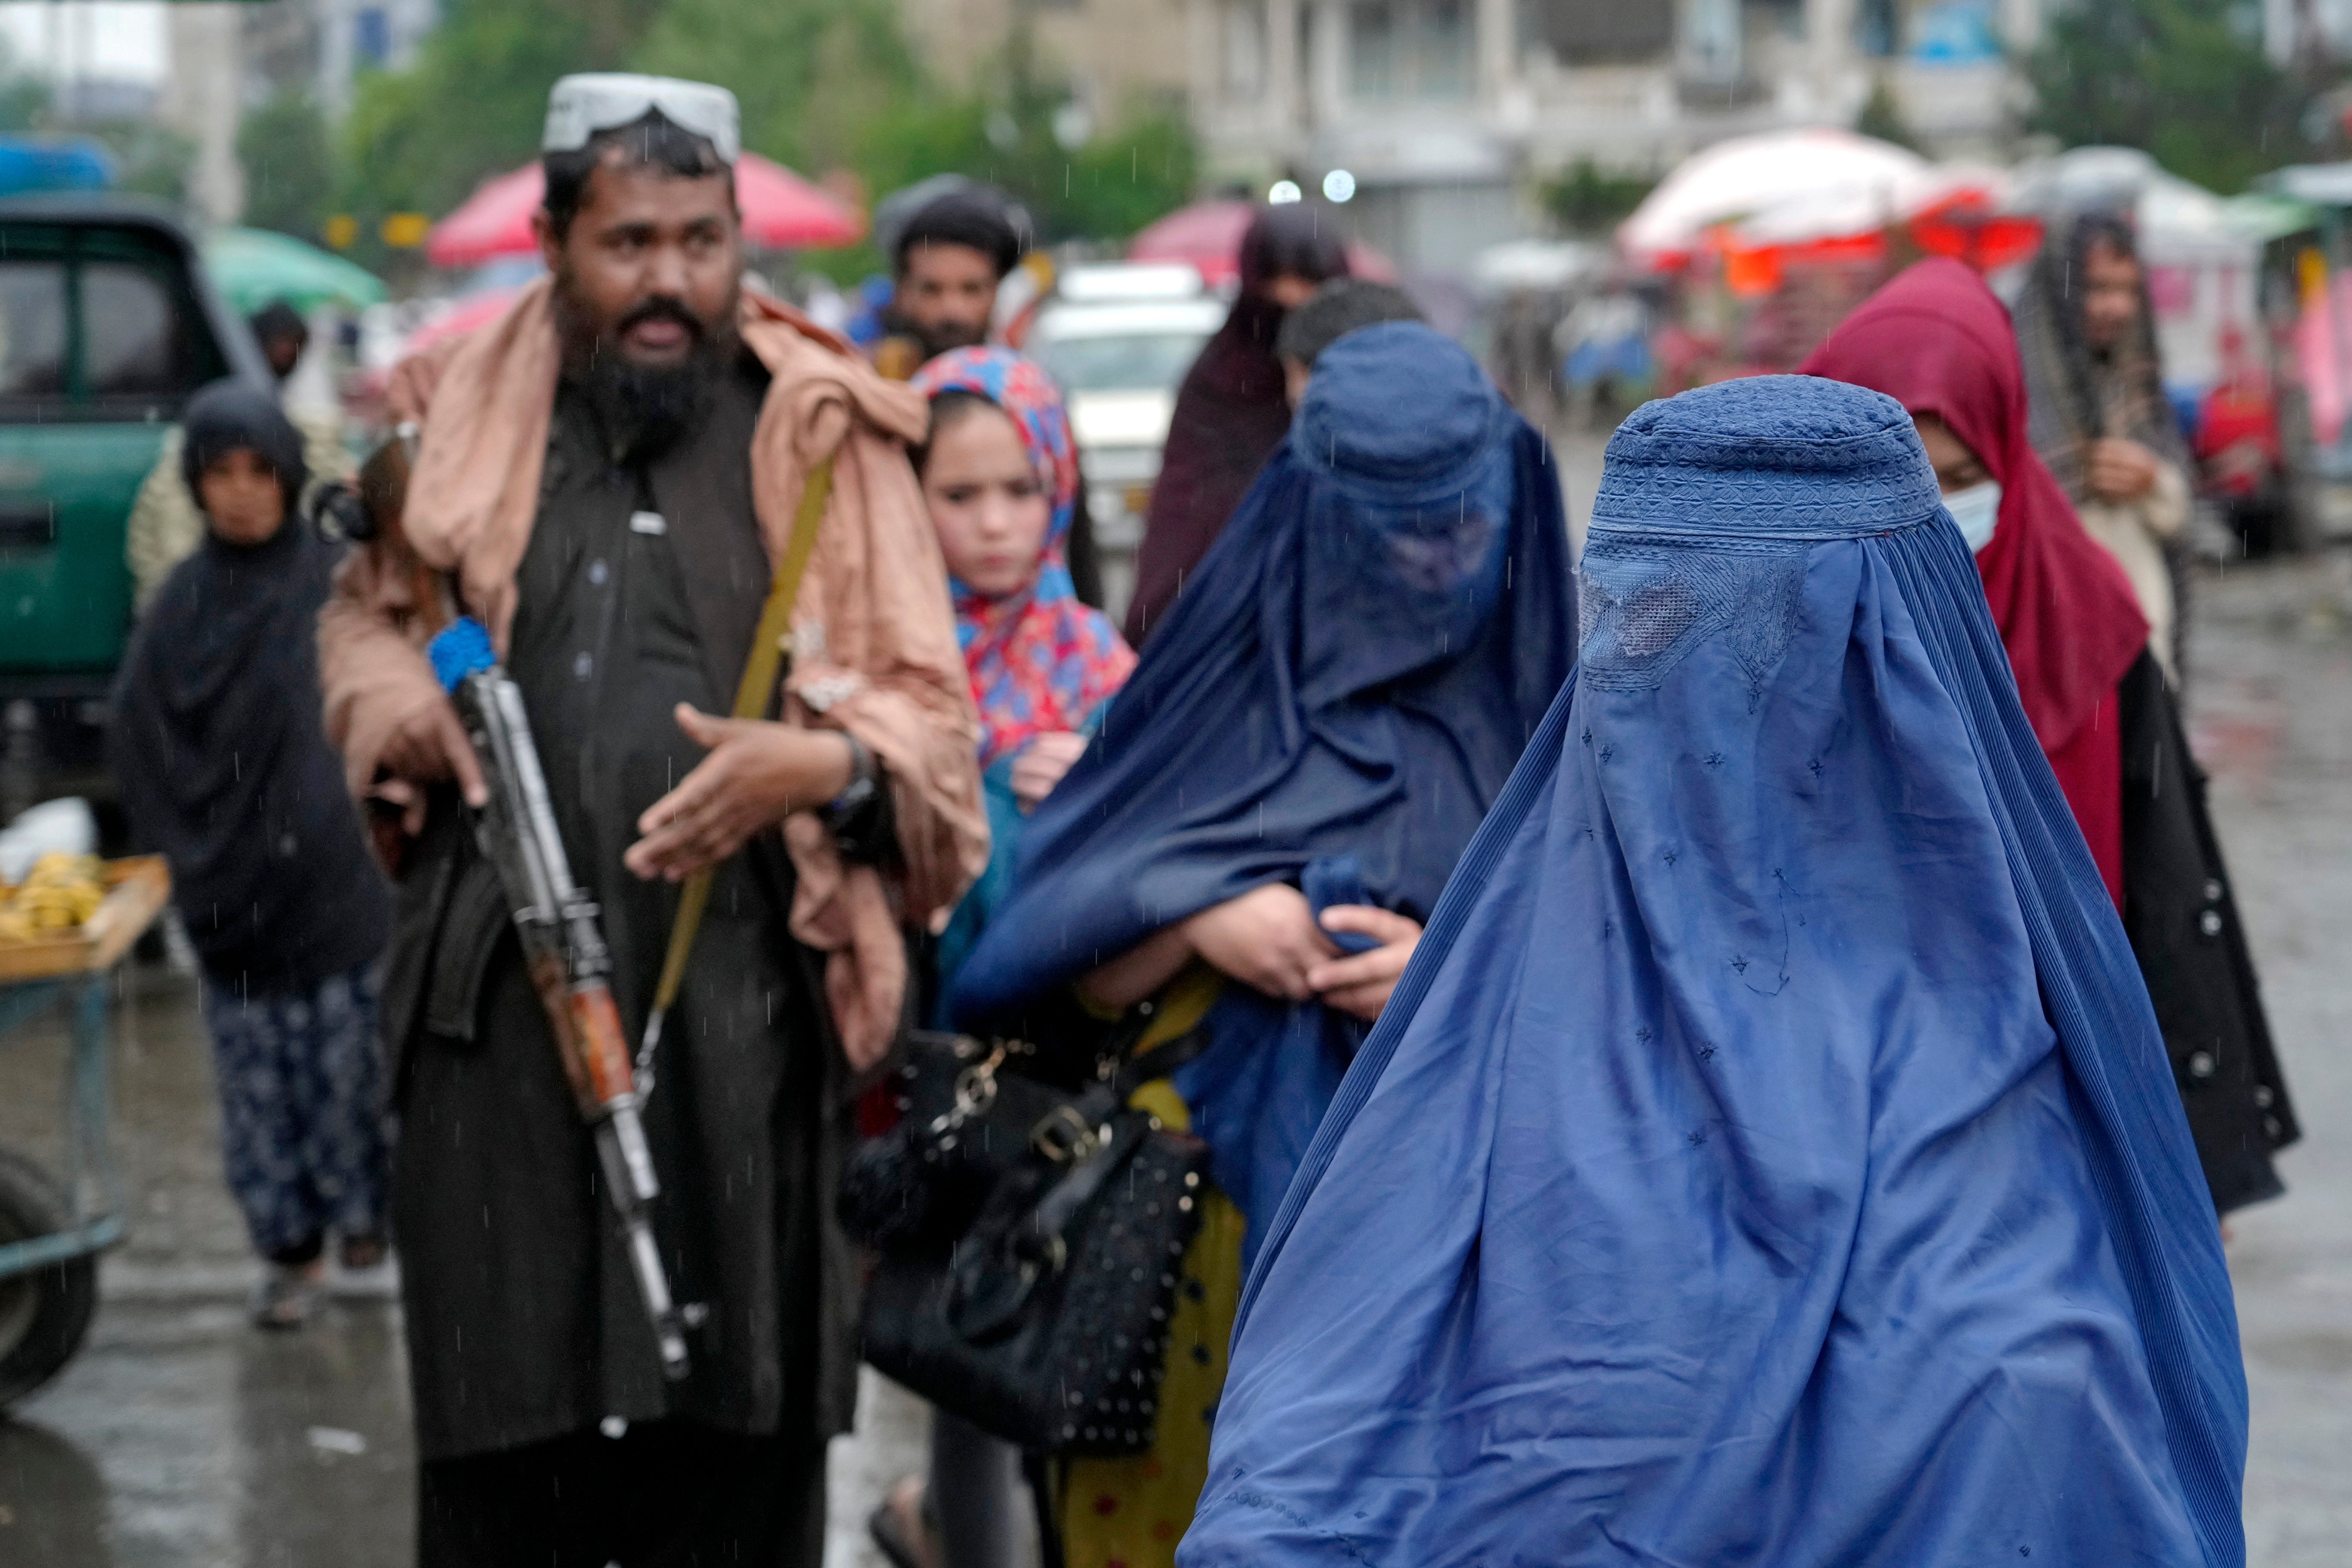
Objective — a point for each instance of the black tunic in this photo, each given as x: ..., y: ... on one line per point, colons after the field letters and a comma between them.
x: 2184, y: 930
x: 524, y: 1321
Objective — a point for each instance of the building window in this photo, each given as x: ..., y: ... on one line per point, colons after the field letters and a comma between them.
x: 136, y: 340
x: 1877, y: 27
x: 1400, y: 49
x: 32, y: 329
x: 1371, y: 48
x: 1443, y: 50
x: 1602, y: 32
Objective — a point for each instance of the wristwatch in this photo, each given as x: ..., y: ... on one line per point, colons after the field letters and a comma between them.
x: 865, y: 784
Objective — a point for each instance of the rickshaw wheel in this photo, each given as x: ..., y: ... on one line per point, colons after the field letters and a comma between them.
x: 43, y: 1314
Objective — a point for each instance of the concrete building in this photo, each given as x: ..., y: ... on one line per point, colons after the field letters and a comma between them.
x: 1116, y: 55
x: 1444, y: 114
x: 199, y: 97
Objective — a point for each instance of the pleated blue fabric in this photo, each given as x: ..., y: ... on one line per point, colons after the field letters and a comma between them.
x: 1333, y: 701
x: 1770, y: 1155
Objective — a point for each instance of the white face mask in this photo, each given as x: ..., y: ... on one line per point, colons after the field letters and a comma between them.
x: 1976, y: 510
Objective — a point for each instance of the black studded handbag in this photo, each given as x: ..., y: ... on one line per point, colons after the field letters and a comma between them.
x: 1029, y: 1240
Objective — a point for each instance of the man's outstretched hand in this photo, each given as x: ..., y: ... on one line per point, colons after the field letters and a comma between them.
x: 758, y: 773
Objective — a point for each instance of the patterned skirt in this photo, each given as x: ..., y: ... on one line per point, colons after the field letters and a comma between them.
x: 302, y: 1109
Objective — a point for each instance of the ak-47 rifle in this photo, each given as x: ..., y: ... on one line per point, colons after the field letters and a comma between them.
x: 564, y: 949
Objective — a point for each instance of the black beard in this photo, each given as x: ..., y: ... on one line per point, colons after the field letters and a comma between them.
x: 947, y: 337
x: 643, y: 410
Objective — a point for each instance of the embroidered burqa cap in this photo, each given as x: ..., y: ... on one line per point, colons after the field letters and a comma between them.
x: 1769, y: 1155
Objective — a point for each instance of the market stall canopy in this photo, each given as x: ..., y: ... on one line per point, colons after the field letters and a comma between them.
x: 2319, y: 184
x: 1208, y: 235
x: 2177, y: 220
x: 1852, y: 209
x: 253, y: 266
x: 780, y: 211
x: 1854, y: 183
x: 2267, y: 216
x: 1844, y: 210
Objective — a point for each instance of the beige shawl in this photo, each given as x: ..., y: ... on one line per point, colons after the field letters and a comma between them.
x: 873, y: 635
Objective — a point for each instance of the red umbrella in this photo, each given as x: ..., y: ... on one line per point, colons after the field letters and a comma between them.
x: 1208, y: 235
x: 780, y: 211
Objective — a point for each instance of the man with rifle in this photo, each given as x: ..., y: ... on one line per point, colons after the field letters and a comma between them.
x: 611, y: 480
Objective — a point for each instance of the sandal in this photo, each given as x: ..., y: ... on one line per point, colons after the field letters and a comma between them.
x: 286, y: 1296
x: 361, y: 1253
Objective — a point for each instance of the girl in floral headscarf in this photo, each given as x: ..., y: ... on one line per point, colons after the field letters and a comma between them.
x: 1001, y: 478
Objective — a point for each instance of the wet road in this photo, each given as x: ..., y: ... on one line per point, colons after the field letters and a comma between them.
x: 2271, y: 716
x: 180, y: 1436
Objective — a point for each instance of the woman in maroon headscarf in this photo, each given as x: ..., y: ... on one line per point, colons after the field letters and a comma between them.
x: 1232, y: 410
x: 1937, y: 340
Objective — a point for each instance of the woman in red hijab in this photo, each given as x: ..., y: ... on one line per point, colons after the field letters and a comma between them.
x: 1937, y: 340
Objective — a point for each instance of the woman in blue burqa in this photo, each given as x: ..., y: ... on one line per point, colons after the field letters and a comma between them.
x: 1769, y: 1155
x: 1272, y: 804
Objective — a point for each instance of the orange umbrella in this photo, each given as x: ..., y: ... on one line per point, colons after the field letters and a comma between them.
x: 780, y: 211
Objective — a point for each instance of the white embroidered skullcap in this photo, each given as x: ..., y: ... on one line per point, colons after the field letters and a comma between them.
x: 581, y: 106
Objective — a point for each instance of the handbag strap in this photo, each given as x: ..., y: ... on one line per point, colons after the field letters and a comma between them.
x: 770, y: 646
x: 1174, y: 1030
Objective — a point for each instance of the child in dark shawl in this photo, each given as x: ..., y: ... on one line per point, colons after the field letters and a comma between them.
x: 1937, y: 341
x: 1244, y: 855
x: 223, y: 761
x: 1233, y: 409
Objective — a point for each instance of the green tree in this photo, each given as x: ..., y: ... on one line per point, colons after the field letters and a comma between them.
x: 150, y: 160
x: 1587, y: 200
x: 1882, y: 116
x: 811, y: 75
x: 289, y: 165
x: 824, y: 85
x: 24, y: 99
x: 2184, y: 80
x: 830, y: 84
x: 472, y: 105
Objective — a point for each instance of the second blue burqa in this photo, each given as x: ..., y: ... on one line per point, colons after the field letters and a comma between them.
x: 1771, y: 1157
x: 1333, y: 701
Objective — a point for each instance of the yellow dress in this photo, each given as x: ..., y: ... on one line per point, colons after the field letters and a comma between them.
x: 1130, y: 1512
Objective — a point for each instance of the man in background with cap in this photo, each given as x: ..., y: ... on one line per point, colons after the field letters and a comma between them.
x: 606, y: 478
x: 1341, y: 306
x: 945, y: 266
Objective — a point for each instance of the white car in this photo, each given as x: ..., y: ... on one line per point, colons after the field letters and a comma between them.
x: 1118, y: 339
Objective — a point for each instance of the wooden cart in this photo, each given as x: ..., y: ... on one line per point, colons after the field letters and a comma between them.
x: 51, y: 1232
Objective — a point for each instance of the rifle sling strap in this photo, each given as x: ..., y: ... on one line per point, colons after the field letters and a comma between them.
x: 766, y: 665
